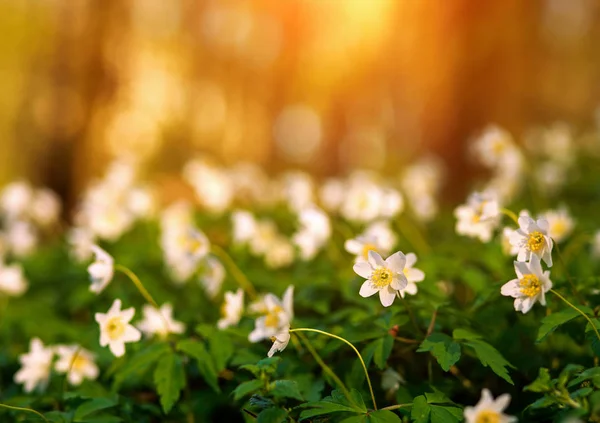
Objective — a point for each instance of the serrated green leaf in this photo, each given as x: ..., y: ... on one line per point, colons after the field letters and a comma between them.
x: 445, y: 350
x: 542, y: 383
x: 383, y: 350
x: 336, y: 403
x: 206, y: 366
x: 140, y: 363
x: 424, y: 412
x: 420, y: 410
x: 169, y: 378
x: 286, y: 389
x: 246, y: 388
x: 553, y: 321
x: 93, y: 406
x: 383, y: 416
x: 490, y: 356
x: 219, y: 344
x: 272, y: 415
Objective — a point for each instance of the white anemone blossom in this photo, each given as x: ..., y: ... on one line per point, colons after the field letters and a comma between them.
x: 102, y: 270
x: 276, y: 315
x: 378, y: 237
x: 35, y: 366
x: 530, y: 286
x: 77, y: 362
x: 280, y: 341
x: 159, y: 321
x: 489, y: 409
x: 12, y: 280
x: 232, y: 309
x: 115, y: 329
x: 532, y: 239
x: 413, y: 275
x: 560, y: 223
x: 385, y: 277
x: 478, y: 217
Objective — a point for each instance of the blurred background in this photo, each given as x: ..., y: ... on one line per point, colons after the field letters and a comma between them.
x: 320, y: 85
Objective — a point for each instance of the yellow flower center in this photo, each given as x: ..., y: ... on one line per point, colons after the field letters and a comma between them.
x: 535, y: 242
x: 382, y: 277
x: 488, y: 416
x: 367, y: 248
x: 272, y: 319
x: 558, y: 228
x: 79, y: 362
x: 115, y: 328
x: 530, y: 285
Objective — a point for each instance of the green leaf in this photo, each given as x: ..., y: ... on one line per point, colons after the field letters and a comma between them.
x: 383, y: 416
x: 272, y: 415
x: 286, y: 389
x: 383, y: 350
x: 543, y: 382
x: 465, y: 334
x: 420, y: 410
x: 591, y: 336
x: 553, y: 321
x: 140, y: 362
x: 205, y: 363
x: 490, y: 356
x: 424, y: 412
x: 443, y: 348
x: 93, y: 406
x: 220, y: 345
x: 336, y: 403
x: 246, y: 388
x: 169, y: 378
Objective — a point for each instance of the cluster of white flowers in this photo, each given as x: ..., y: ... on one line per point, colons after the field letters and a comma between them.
x: 36, y: 365
x: 497, y: 150
x: 421, y: 182
x: 479, y: 217
x: 378, y: 237
x: 25, y: 212
x: 109, y: 208
x: 314, y: 231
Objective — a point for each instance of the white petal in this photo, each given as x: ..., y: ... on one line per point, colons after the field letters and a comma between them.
x: 375, y: 259
x: 411, y: 259
x: 396, y: 262
x: 521, y: 268
x: 501, y: 402
x: 387, y: 296
x: 363, y: 269
x: 131, y: 334
x: 511, y: 289
x: 117, y: 348
x: 367, y: 289
x: 127, y: 314
x: 415, y: 275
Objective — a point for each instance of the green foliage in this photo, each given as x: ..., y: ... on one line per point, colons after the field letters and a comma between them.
x: 169, y: 378
x: 443, y: 348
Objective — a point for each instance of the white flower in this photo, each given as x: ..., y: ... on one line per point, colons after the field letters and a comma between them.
x: 377, y: 237
x: 264, y: 236
x: 232, y: 309
x: 308, y: 244
x: 213, y: 185
x: 35, y: 366
x: 392, y: 202
x: 101, y: 271
x: 244, y: 226
x: 413, y: 275
x: 78, y: 362
x: 280, y: 253
x: 391, y: 380
x: 141, y: 202
x: 45, y: 207
x: 212, y: 276
x: 421, y: 182
x: 495, y: 147
x: 314, y: 232
x: 478, y: 217
x: 507, y: 247
x: 532, y: 240
x: 531, y: 285
x: 297, y: 189
x: 280, y: 341
x: 115, y: 329
x: 15, y: 199
x: 560, y: 223
x: 596, y: 245
x: 159, y: 321
x: 278, y: 314
x: 331, y: 194
x: 21, y: 237
x: 489, y: 410
x: 383, y: 276
x: 12, y: 281
x: 80, y: 241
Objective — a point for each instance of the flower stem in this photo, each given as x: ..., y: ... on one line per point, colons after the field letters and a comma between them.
x: 351, y: 346
x: 75, y: 355
x: 237, y: 274
x: 138, y: 283
x: 510, y: 214
x: 324, y: 366
x: 29, y: 410
x: 397, y: 406
x: 579, y: 311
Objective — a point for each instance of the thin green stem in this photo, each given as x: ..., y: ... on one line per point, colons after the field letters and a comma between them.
x: 237, y: 274
x: 579, y: 311
x: 75, y: 355
x: 397, y: 406
x: 510, y: 214
x: 138, y: 283
x: 325, y: 367
x: 28, y: 410
x: 351, y: 346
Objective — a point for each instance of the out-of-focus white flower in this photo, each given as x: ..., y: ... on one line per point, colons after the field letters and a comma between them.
x: 364, y: 199
x: 392, y: 203
x: 307, y: 243
x: 489, y: 410
x: 266, y: 234
x: 421, y: 182
x: 35, y: 366
x: 560, y: 223
x: 159, y: 321
x: 141, y: 202
x: 413, y: 275
x: 314, y: 232
x: 278, y: 314
x: 531, y: 285
x: 532, y: 240
x: 391, y: 380
x: 478, y: 217
x: 115, y: 329
x: 385, y: 277
x: 81, y: 241
x: 551, y: 177
x: 213, y: 186
x: 244, y: 226
x: 15, y: 199
x: 212, y: 276
x: 251, y: 184
x: 78, y: 362
x: 596, y: 245
x: 101, y: 271
x: 280, y: 253
x: 21, y: 238
x: 280, y: 340
x: 232, y: 309
x: 331, y: 194
x: 12, y: 280
x: 495, y: 147
x: 45, y: 207
x: 297, y: 189
x: 378, y: 236
x: 507, y: 247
